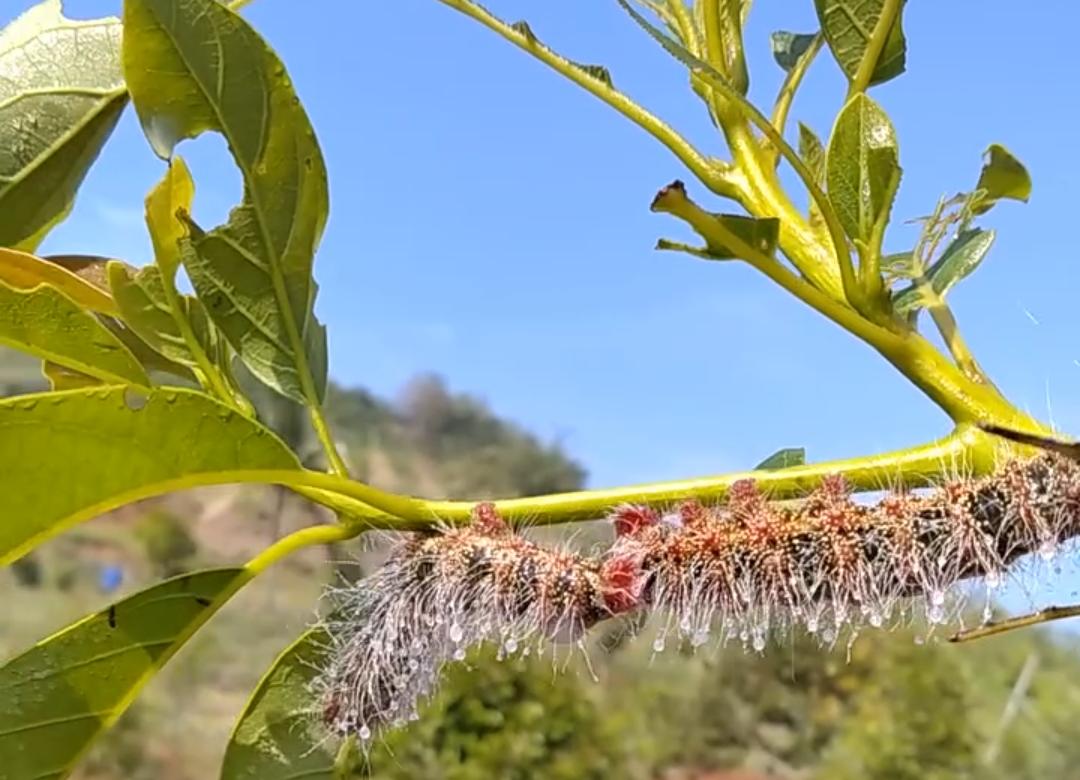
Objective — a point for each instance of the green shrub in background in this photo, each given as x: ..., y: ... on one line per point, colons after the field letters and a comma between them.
x: 167, y: 542
x: 515, y: 719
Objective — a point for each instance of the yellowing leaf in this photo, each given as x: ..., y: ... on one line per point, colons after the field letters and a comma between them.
x: 23, y: 271
x: 61, y: 378
x: 65, y: 691
x: 44, y: 322
x: 61, y: 94
x: 124, y: 446
x: 172, y: 195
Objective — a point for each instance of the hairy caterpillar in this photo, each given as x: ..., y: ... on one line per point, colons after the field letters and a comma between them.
x: 439, y: 594
x: 748, y: 568
x: 741, y: 570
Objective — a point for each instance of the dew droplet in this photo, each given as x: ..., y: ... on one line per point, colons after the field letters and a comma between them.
x: 133, y: 399
x: 364, y: 733
x: 759, y: 641
x: 459, y: 654
x: 937, y: 598
x: 658, y: 644
x: 875, y: 619
x: 456, y: 633
x: 510, y: 645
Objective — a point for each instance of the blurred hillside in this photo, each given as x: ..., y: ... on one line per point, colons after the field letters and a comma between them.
x: 889, y: 706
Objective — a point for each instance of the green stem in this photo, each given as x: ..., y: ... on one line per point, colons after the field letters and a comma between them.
x: 792, y: 82
x: 306, y: 537
x: 966, y: 448
x: 861, y: 80
x: 958, y: 348
x: 326, y: 438
x: 963, y: 400
x: 755, y: 183
x: 709, y: 171
x: 217, y: 384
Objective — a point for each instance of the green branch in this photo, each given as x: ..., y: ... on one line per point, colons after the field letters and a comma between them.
x: 967, y: 448
x: 712, y: 172
x: 792, y: 82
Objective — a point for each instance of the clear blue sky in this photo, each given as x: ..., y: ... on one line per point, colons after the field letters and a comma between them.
x: 490, y: 222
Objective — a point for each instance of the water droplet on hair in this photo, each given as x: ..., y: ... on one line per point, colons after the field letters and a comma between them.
x: 811, y: 625
x: 510, y: 645
x: 456, y: 633
x: 364, y: 733
x: 937, y: 598
x: 759, y: 641
x: 875, y: 619
x: 935, y: 614
x: 459, y: 654
x: 658, y: 644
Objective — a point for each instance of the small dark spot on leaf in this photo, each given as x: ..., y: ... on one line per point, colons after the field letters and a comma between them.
x: 203, y: 601
x: 112, y: 616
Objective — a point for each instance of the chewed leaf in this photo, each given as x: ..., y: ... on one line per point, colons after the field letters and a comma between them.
x: 44, y: 322
x: 782, y: 459
x: 275, y: 738
x: 61, y: 94
x: 195, y: 66
x: 1003, y: 176
x: 123, y: 446
x: 848, y: 26
x: 23, y: 271
x: 67, y: 690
